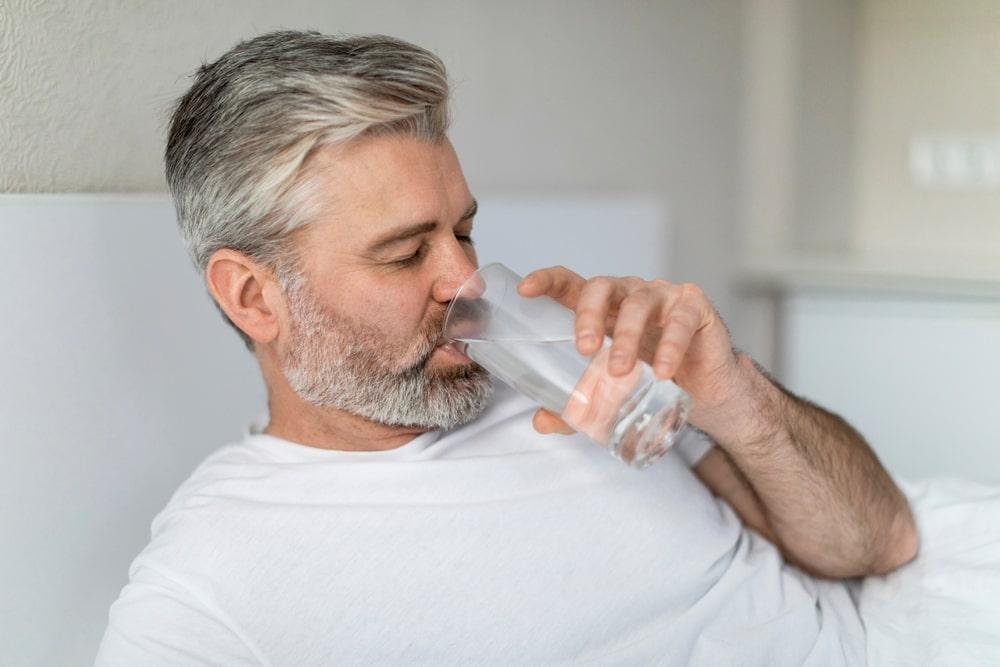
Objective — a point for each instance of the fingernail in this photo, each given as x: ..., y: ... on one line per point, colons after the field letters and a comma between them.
x: 662, y: 368
x: 618, y: 359
x: 587, y: 340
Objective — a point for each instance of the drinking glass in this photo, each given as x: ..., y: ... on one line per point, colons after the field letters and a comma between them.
x: 529, y: 344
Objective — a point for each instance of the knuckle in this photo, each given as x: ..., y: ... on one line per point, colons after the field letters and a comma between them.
x: 645, y: 290
x: 628, y: 332
x: 561, y: 289
x: 634, y: 301
x: 660, y: 283
x: 682, y: 317
x: 667, y: 355
x: 588, y: 310
x: 692, y: 290
x: 668, y: 346
x: 666, y: 349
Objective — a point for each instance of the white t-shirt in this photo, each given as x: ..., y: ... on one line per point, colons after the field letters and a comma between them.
x: 487, y: 544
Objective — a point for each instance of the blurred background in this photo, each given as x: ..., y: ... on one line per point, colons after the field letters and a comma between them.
x: 827, y: 170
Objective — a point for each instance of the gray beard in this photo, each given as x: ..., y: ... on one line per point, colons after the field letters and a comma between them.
x: 332, y: 361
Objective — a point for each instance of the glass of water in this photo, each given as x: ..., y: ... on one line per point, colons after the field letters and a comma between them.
x: 529, y: 343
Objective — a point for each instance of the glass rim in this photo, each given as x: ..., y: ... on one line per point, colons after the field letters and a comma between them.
x: 451, y: 306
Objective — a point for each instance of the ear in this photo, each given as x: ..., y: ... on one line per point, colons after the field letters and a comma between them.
x: 247, y: 292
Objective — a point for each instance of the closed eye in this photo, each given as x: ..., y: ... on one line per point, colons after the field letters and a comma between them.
x: 412, y: 259
x: 415, y: 257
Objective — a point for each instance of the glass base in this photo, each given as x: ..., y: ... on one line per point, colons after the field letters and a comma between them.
x: 649, y: 424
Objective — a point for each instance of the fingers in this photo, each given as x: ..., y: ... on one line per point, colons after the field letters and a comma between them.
x: 633, y: 318
x: 592, y: 308
x: 548, y: 422
x: 679, y: 312
x: 681, y: 320
x: 557, y: 282
x: 653, y: 320
x: 681, y: 325
x: 568, y: 288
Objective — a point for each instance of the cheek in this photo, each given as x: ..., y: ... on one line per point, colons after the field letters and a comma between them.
x: 399, y: 312
x: 395, y: 312
x: 405, y: 314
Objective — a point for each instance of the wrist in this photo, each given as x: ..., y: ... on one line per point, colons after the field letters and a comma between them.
x: 748, y: 410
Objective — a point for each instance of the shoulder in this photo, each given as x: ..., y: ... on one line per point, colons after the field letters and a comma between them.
x: 217, y: 479
x: 160, y: 618
x: 168, y: 611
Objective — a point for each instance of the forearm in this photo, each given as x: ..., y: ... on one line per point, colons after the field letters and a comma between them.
x: 831, y: 506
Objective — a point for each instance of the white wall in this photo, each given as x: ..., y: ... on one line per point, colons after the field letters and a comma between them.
x: 915, y: 373
x: 929, y: 67
x: 835, y: 92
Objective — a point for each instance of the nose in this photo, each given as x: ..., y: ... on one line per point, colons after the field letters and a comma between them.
x: 456, y: 269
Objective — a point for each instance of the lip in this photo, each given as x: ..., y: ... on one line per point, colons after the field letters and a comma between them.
x: 454, y: 350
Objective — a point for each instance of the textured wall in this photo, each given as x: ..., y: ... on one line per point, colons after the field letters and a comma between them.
x: 79, y: 91
x: 549, y: 96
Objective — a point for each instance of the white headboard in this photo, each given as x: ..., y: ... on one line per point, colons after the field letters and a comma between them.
x: 119, y: 376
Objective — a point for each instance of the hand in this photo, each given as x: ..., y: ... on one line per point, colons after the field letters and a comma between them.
x: 672, y: 327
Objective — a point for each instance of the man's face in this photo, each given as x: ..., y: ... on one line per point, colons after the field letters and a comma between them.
x: 380, y: 265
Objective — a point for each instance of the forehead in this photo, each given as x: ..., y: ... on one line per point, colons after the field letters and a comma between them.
x: 372, y: 185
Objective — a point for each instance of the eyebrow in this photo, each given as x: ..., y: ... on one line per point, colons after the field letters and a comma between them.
x: 403, y: 233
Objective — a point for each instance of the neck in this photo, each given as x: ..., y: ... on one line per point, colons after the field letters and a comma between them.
x: 334, y: 429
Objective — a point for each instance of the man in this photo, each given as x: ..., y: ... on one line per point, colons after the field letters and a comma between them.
x: 395, y: 507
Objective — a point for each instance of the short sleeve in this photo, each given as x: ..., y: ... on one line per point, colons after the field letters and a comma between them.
x: 692, y: 445
x: 158, y: 621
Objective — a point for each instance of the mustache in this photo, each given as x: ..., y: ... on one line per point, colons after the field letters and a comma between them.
x: 434, y: 334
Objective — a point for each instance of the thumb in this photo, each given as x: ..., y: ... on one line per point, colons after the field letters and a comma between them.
x: 547, y: 422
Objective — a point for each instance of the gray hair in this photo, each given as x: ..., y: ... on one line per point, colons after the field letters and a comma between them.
x: 241, y: 136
